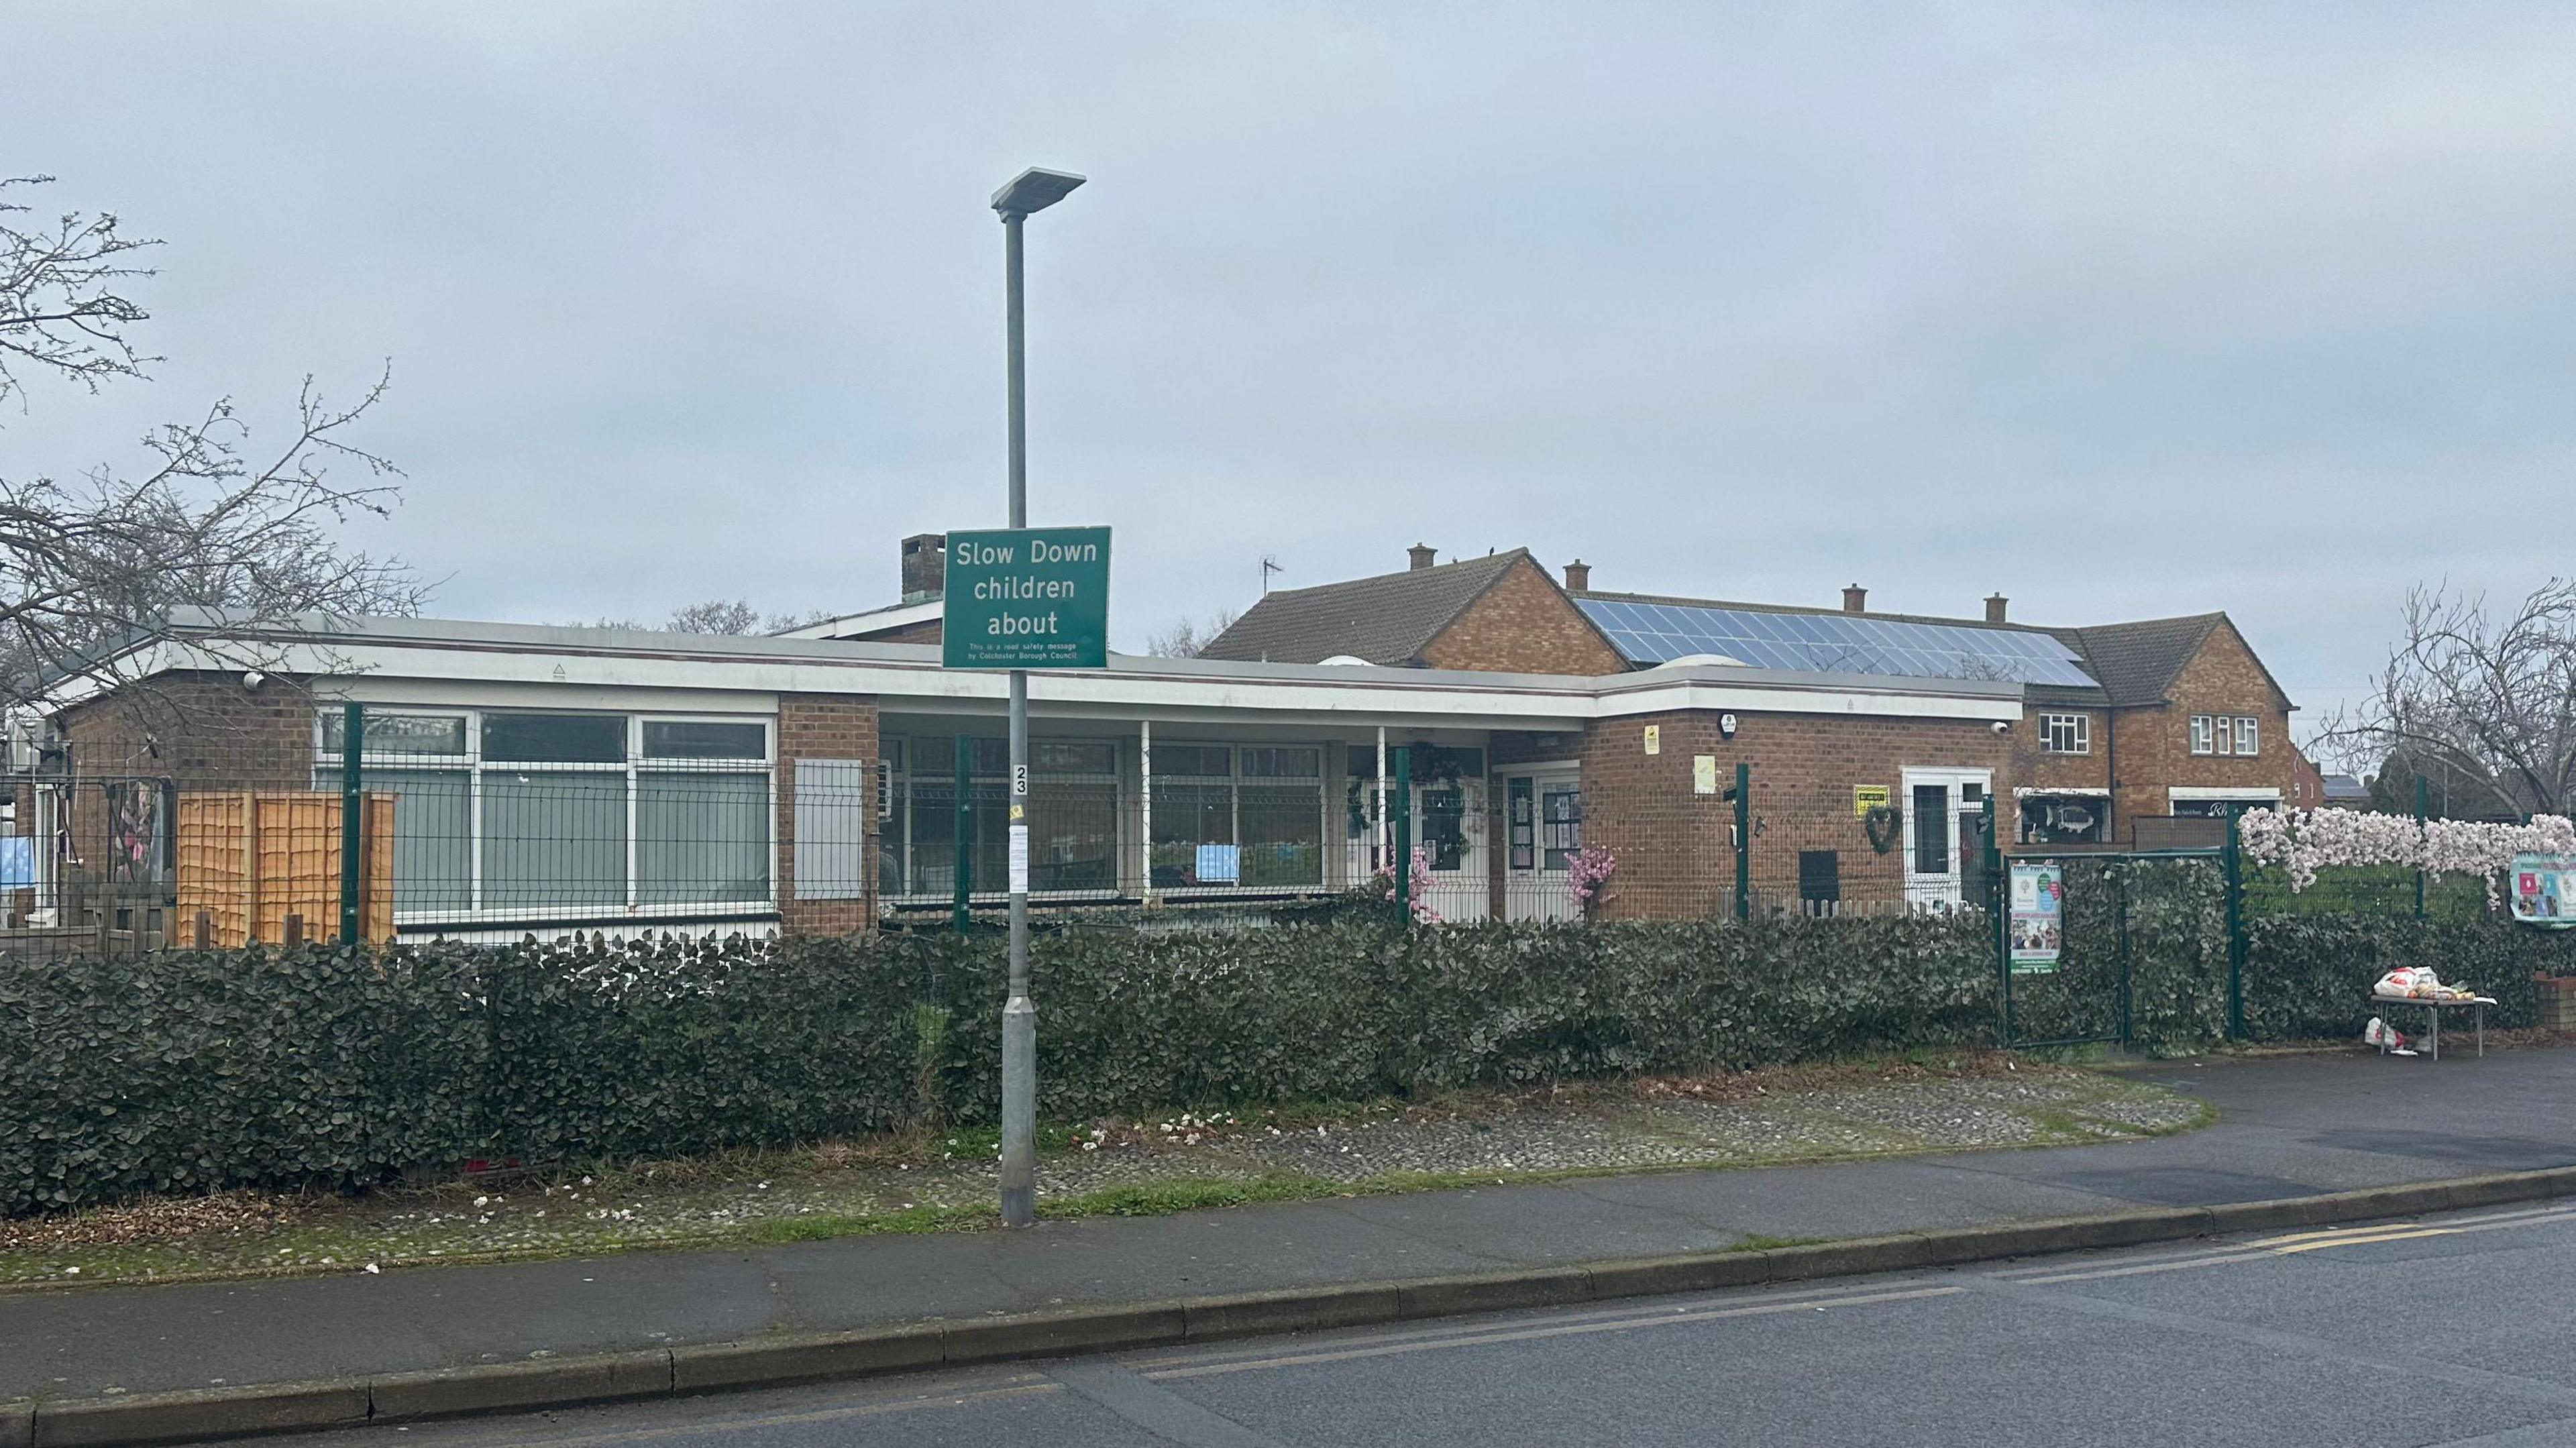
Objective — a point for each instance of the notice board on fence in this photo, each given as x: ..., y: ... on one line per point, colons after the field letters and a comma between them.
x: 2038, y: 913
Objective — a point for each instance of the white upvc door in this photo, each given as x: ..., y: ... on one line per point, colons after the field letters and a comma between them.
x: 1542, y: 828
x: 1942, y: 809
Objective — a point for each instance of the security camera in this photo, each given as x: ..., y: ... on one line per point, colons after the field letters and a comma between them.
x: 2002, y: 726
x: 253, y: 678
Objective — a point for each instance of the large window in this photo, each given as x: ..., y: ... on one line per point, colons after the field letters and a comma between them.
x: 1073, y: 817
x: 506, y: 815
x: 1249, y: 816
x: 2226, y: 734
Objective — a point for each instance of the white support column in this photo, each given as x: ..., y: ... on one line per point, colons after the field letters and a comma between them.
x: 1385, y: 851
x: 1145, y: 806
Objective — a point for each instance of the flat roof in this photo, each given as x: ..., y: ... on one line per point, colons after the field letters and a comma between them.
x: 387, y: 658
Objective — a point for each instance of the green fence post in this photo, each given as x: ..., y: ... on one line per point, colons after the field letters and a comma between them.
x: 353, y: 748
x: 2233, y: 858
x: 1744, y: 842
x: 2421, y: 802
x: 961, y: 876
x: 1402, y: 808
x: 1998, y: 915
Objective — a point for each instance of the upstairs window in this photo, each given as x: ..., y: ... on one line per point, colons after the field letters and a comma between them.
x: 2066, y: 733
x: 2202, y: 736
x: 2248, y: 736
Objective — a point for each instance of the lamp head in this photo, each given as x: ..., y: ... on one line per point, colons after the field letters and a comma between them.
x: 1034, y: 189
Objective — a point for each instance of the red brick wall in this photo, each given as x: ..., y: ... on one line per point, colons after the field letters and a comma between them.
x: 1675, y: 847
x: 821, y: 726
x: 201, y: 731
x: 1523, y: 625
x: 208, y: 731
x: 2155, y: 743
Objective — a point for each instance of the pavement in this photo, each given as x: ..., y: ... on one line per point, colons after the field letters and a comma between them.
x: 2289, y: 1126
x: 2448, y: 1329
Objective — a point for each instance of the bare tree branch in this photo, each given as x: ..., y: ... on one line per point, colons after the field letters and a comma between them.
x: 2483, y: 703
x: 60, y: 306
x: 1185, y: 637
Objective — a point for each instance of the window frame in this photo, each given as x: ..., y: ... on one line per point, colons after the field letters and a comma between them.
x: 2077, y: 728
x: 2203, y: 734
x: 895, y: 854
x: 474, y: 768
x: 1236, y: 781
x: 2249, y: 736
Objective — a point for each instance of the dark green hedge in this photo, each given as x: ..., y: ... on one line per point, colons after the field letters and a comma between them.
x: 196, y: 1070
x: 2310, y: 975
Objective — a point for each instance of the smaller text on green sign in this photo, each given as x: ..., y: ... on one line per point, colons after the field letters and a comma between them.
x: 1026, y: 598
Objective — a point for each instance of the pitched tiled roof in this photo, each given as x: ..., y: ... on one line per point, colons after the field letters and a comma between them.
x: 2138, y: 662
x: 1388, y: 619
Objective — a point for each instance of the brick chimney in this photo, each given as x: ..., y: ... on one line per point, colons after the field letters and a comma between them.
x: 1422, y: 554
x: 1995, y: 607
x: 1855, y: 599
x: 1578, y: 576
x: 925, y: 566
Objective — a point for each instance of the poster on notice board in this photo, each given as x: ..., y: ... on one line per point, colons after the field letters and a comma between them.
x: 2038, y: 908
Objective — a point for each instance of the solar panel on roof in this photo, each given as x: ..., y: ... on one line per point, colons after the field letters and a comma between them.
x: 1833, y: 643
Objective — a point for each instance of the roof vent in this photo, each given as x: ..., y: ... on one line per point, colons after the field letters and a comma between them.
x: 1343, y: 661
x: 1422, y: 555
x: 1855, y: 599
x: 1689, y: 660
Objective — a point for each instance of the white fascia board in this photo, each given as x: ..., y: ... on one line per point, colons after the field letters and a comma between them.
x: 425, y: 693
x: 2178, y: 792
x: 2028, y: 791
x: 375, y: 671
x: 1754, y: 699
x: 898, y: 615
x: 410, y: 664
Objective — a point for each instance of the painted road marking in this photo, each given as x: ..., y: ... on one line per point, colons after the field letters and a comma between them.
x: 1021, y: 1385
x: 1451, y: 1327
x: 1490, y: 1337
x: 2296, y: 1242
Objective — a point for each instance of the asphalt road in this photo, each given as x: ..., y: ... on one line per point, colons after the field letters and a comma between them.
x: 2447, y: 1330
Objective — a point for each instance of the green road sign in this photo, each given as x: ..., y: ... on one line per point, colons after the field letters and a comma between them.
x: 1027, y: 598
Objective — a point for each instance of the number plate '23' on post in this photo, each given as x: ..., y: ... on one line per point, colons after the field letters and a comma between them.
x: 1026, y: 598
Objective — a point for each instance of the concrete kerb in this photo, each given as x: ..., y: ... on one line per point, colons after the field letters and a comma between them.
x: 565, y: 1382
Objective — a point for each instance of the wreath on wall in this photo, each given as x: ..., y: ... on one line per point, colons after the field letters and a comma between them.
x: 1884, y: 825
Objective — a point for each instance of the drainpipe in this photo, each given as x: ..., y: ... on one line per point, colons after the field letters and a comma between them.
x: 1145, y: 801
x: 2111, y: 777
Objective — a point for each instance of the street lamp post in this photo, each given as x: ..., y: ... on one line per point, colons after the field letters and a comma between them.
x: 1031, y: 191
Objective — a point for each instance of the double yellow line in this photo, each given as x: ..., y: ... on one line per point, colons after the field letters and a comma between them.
x: 2293, y: 1243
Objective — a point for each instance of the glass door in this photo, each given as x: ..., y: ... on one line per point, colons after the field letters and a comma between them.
x: 1543, y: 828
x: 1944, y: 842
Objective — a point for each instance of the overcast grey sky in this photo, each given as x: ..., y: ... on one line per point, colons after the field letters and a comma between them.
x: 2123, y: 310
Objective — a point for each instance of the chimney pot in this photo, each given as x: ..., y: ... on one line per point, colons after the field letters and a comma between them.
x: 1422, y: 555
x: 1995, y: 607
x: 1855, y: 599
x: 1578, y: 576
x: 925, y: 567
